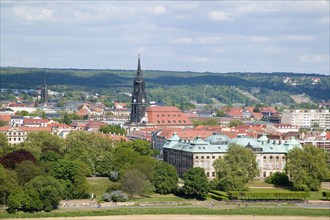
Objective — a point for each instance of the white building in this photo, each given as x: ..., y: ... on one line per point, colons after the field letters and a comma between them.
x: 183, y: 155
x: 307, y: 118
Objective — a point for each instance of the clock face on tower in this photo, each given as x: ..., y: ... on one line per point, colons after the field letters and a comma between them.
x: 143, y: 100
x: 134, y: 100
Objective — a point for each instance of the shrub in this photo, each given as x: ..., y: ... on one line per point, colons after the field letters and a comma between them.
x: 114, y: 176
x: 326, y: 195
x: 115, y: 196
x: 113, y: 187
x: 268, y: 195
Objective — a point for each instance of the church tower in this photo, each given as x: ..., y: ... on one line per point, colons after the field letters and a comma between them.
x: 138, y: 96
x: 44, y: 95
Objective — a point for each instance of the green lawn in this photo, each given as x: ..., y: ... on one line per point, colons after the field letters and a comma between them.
x: 98, y: 185
x: 160, y: 198
x: 259, y: 183
x: 178, y: 210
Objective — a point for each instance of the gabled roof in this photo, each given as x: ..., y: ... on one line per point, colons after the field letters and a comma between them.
x: 167, y: 115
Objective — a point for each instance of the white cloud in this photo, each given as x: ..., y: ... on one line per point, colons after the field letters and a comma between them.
x: 259, y: 39
x: 273, y: 50
x: 182, y: 40
x: 317, y: 58
x: 298, y: 37
x: 324, y: 20
x: 208, y: 40
x: 158, y: 10
x: 33, y: 14
x: 218, y: 16
x: 198, y: 59
x: 217, y: 50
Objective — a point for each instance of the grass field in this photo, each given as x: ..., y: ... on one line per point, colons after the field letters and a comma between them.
x: 180, y: 211
x: 98, y: 185
x: 258, y: 183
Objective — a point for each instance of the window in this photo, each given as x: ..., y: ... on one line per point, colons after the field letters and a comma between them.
x: 213, y: 157
x: 196, y: 157
x: 277, y: 157
x: 208, y: 174
x: 213, y: 174
x: 283, y: 158
x: 265, y: 157
x: 208, y: 157
x: 202, y: 157
x: 264, y: 175
x: 271, y: 157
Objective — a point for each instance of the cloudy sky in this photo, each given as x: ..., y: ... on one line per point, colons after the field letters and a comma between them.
x: 216, y: 36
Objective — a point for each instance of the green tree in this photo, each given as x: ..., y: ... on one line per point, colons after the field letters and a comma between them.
x: 88, y: 147
x: 235, y: 122
x: 114, y: 129
x: 8, y: 183
x: 26, y: 171
x: 236, y: 168
x: 74, y: 172
x: 3, y: 144
x: 165, y: 178
x: 196, y: 183
x: 16, y: 199
x: 123, y: 158
x: 43, y: 193
x: 278, y: 179
x: 41, y: 142
x: 134, y: 182
x: 307, y: 167
x: 140, y: 146
x: 221, y: 113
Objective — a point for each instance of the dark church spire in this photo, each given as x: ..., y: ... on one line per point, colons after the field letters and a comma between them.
x: 138, y: 96
x: 43, y: 94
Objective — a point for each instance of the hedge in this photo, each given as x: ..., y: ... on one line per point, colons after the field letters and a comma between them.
x: 326, y: 195
x: 218, y: 197
x: 268, y: 195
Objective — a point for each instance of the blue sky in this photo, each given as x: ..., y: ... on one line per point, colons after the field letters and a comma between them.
x: 215, y: 36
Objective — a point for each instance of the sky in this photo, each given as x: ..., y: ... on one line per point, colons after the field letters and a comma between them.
x: 199, y: 36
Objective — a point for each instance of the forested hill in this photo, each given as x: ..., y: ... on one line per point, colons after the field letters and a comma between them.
x: 315, y: 86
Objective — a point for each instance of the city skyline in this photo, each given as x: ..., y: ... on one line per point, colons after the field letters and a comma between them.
x: 215, y: 36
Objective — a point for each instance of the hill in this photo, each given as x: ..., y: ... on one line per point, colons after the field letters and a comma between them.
x: 278, y: 87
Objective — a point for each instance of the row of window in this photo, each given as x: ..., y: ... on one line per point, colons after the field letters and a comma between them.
x: 277, y: 157
x: 14, y: 133
x: 174, y: 121
x: 207, y: 157
x: 208, y: 174
x: 169, y: 115
x: 14, y: 139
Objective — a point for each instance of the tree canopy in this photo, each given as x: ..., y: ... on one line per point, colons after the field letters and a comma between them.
x: 165, y: 178
x: 236, y: 168
x: 196, y: 183
x: 307, y: 167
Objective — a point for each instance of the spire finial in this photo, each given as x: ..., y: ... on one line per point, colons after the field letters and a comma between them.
x: 139, y: 72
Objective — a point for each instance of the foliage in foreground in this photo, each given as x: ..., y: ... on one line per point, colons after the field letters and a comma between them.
x: 196, y: 183
x: 307, y: 167
x: 236, y: 168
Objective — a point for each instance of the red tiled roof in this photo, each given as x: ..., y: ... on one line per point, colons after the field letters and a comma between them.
x: 27, y: 129
x: 84, y: 111
x: 167, y: 115
x: 59, y: 125
x: 35, y: 120
x: 268, y: 109
x: 5, y: 118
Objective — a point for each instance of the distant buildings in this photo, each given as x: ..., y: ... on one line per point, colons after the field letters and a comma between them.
x: 307, y: 118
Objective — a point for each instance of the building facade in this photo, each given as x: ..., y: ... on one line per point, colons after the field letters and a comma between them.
x: 307, y: 118
x: 183, y: 155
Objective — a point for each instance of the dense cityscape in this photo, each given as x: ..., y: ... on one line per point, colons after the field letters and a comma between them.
x: 182, y: 110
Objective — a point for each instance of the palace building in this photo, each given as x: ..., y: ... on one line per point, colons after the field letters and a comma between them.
x: 185, y: 154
